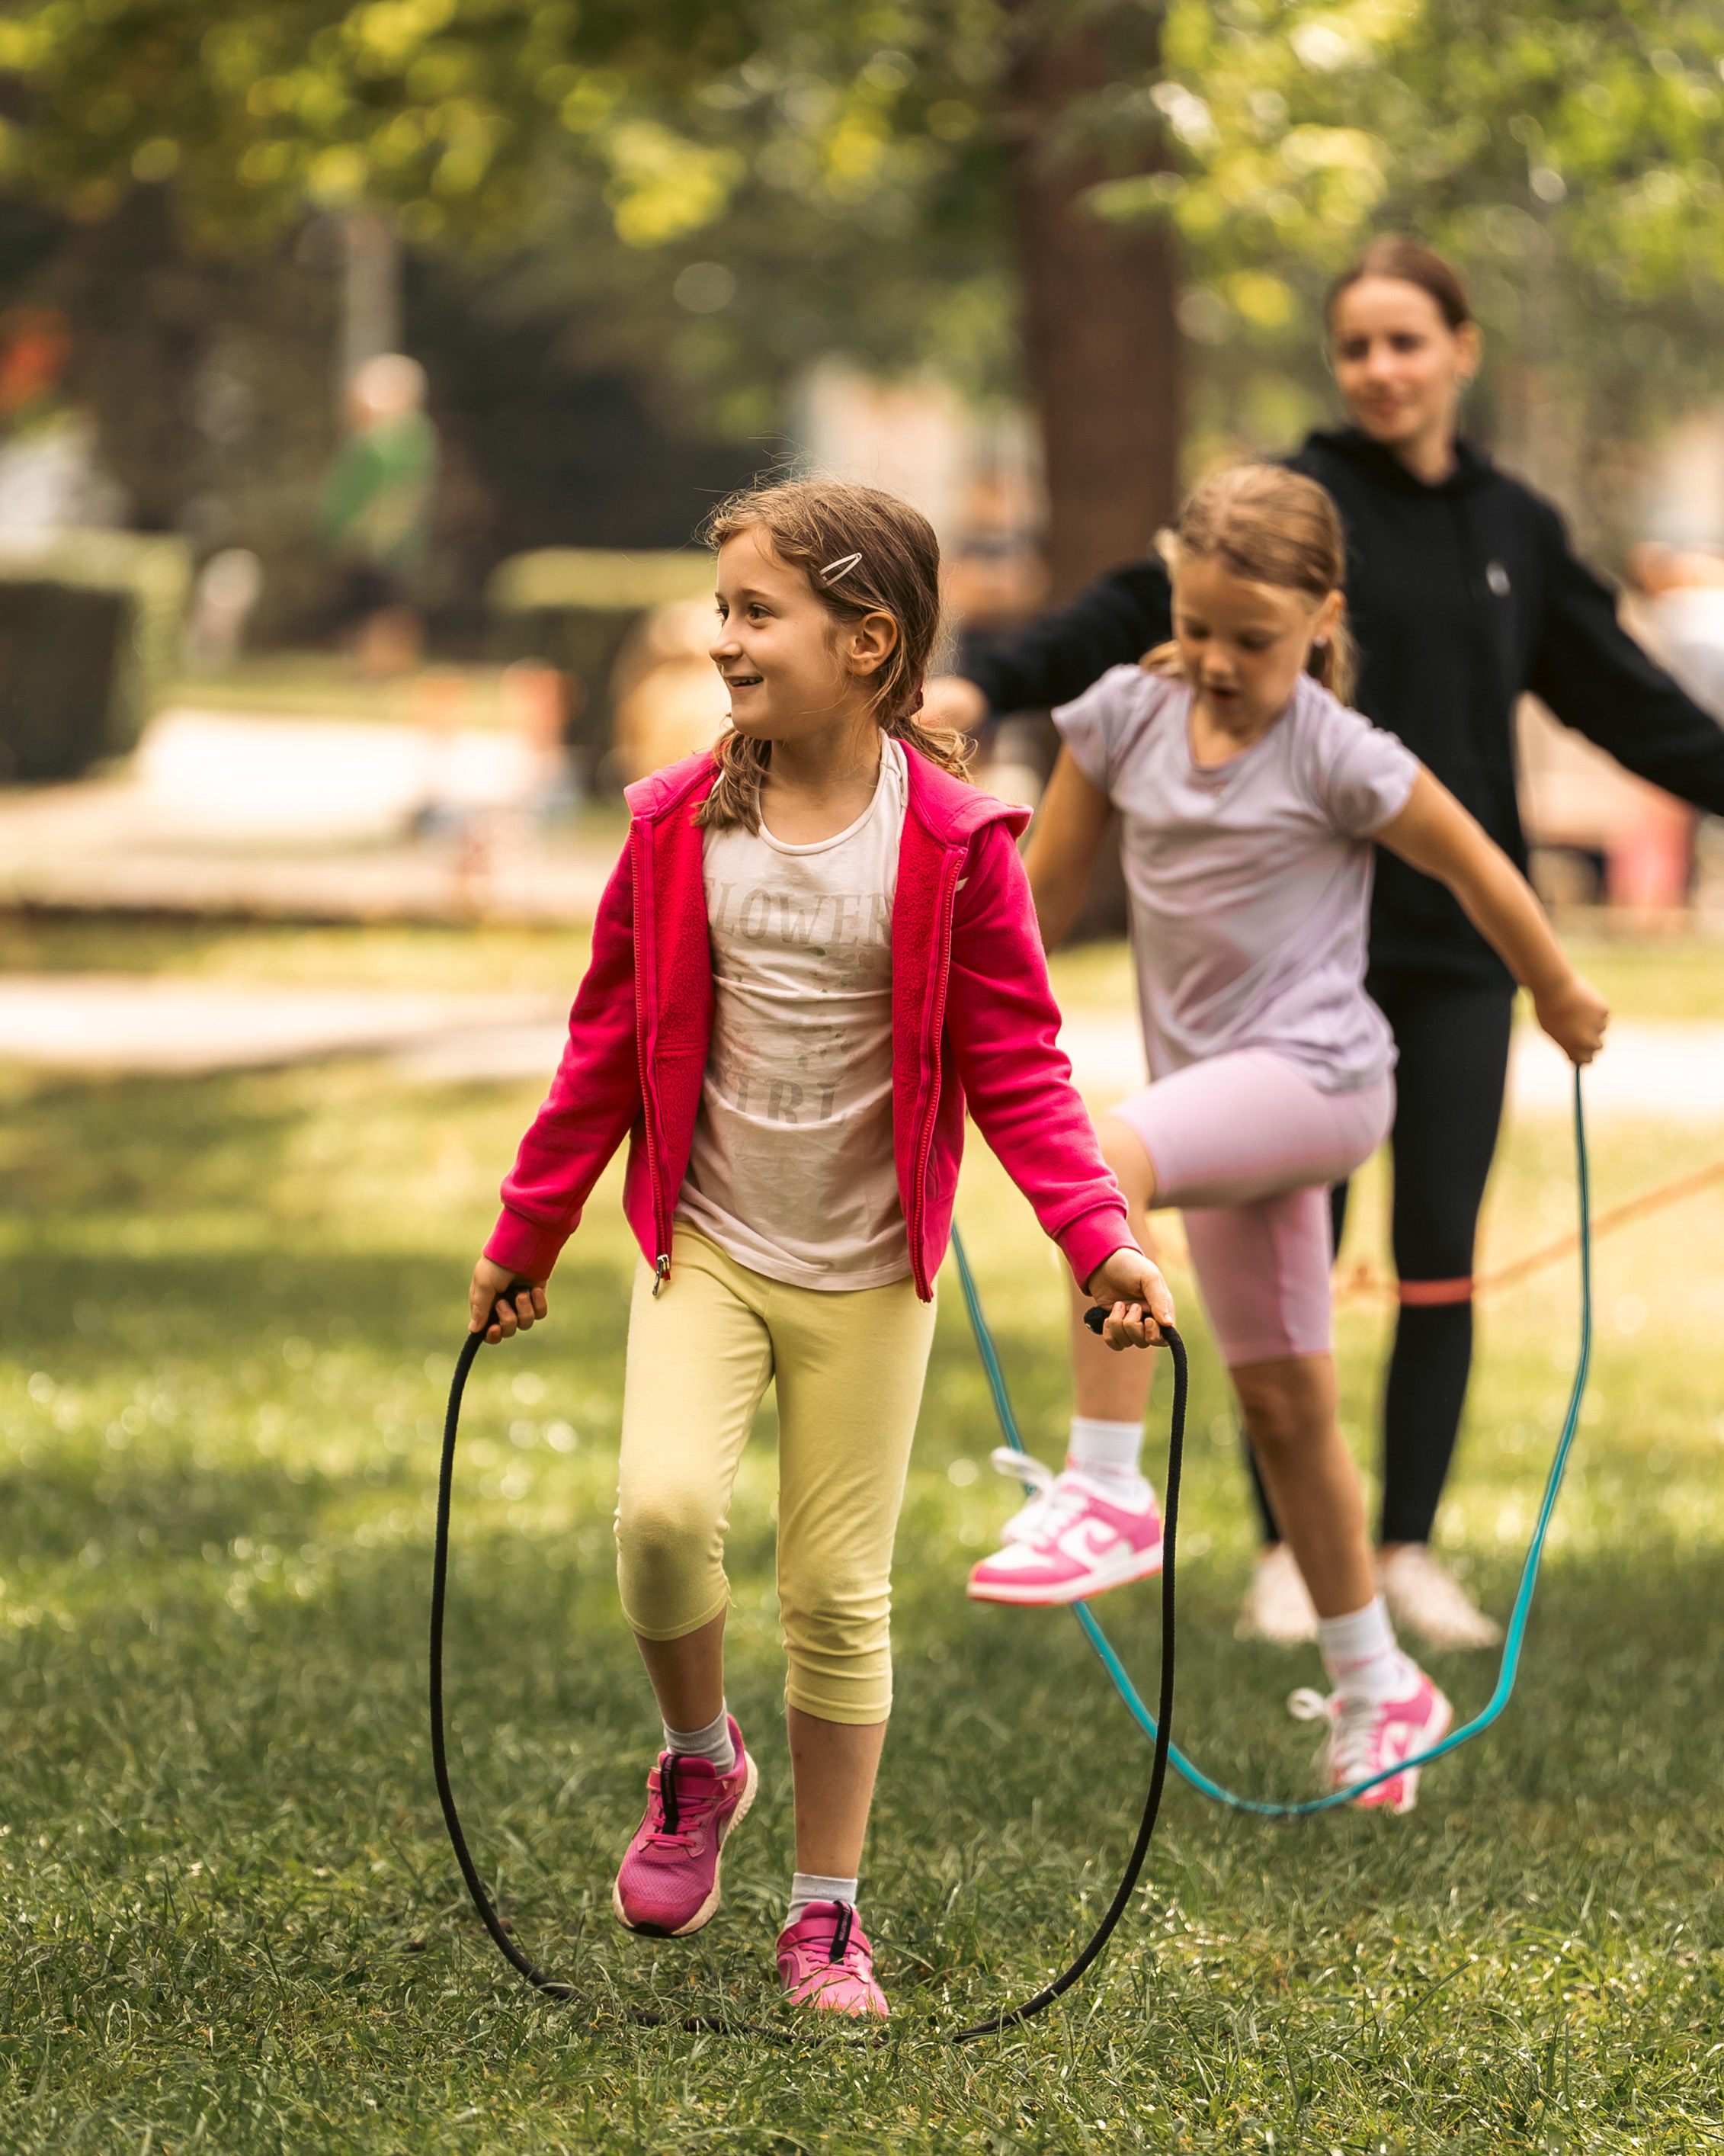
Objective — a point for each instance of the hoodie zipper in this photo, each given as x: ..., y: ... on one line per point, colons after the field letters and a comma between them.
x: 937, y: 1024
x: 646, y: 1037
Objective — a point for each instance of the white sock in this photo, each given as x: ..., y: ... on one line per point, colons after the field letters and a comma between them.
x: 712, y: 1742
x: 807, y: 1886
x: 1360, y: 1653
x: 1105, y: 1453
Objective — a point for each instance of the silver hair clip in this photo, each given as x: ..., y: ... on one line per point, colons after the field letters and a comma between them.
x: 834, y: 570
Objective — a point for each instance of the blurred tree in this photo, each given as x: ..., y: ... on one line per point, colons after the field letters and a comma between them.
x: 858, y: 179
x: 712, y: 193
x: 1566, y: 151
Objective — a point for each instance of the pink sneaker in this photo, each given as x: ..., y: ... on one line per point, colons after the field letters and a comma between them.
x: 1365, y: 1738
x: 668, y: 1886
x: 825, y: 1961
x: 1070, y: 1541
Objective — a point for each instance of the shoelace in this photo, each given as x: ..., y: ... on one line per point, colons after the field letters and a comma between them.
x: 1049, y: 1511
x: 669, y: 1809
x: 1352, y: 1729
x: 672, y: 1803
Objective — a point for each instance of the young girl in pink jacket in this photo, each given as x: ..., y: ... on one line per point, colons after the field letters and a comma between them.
x: 818, y: 950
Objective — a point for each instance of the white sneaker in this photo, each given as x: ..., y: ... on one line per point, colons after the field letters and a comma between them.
x: 1277, y: 1605
x: 1423, y: 1595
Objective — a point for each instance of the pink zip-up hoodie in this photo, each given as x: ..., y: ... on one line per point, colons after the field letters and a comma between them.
x: 973, y: 1019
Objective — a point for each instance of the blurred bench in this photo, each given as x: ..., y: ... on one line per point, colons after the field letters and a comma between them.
x: 90, y: 624
x: 573, y: 608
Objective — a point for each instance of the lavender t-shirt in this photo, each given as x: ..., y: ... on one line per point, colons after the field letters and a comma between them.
x: 1250, y: 881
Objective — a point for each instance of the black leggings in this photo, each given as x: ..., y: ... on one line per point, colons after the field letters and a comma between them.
x: 1453, y: 1042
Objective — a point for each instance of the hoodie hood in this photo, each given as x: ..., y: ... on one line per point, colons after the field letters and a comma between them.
x: 1473, y: 468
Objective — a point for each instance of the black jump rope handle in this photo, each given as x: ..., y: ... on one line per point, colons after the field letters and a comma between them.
x: 1094, y: 1319
x: 1098, y: 1317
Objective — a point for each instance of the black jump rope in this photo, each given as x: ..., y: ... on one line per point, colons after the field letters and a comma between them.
x: 1158, y: 1727
x: 712, y: 2025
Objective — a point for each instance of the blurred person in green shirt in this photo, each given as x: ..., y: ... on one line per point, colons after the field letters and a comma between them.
x: 374, y: 521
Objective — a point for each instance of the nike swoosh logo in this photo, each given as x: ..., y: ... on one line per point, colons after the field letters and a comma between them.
x: 1086, y: 1540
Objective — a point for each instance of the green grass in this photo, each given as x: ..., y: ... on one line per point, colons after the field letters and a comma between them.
x: 231, y: 1921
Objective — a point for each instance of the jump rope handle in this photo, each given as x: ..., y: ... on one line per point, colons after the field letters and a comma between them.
x: 505, y: 1302
x: 1098, y: 1315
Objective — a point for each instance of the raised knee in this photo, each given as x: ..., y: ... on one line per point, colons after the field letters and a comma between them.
x: 659, y: 1533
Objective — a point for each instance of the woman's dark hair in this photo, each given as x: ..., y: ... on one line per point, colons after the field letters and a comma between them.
x: 862, y: 551
x: 1266, y: 524
x: 1412, y: 263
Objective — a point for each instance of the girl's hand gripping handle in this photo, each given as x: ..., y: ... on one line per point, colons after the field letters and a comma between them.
x: 1134, y: 1299
x: 499, y: 1303
x: 1574, y: 1014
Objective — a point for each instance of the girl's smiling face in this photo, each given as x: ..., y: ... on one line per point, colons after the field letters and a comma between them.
x: 791, y: 667
x: 1243, y: 646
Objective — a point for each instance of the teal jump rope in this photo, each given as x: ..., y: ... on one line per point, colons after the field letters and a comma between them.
x: 1516, y: 1636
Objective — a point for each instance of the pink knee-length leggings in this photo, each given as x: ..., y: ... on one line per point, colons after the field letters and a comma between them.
x: 1247, y: 1148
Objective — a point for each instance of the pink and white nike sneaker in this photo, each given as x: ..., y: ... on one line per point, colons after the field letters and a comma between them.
x: 668, y: 1886
x: 1366, y: 1737
x: 1072, y: 1540
x: 825, y: 1961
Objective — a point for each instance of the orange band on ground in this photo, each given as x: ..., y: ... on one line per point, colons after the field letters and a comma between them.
x: 1423, y: 1295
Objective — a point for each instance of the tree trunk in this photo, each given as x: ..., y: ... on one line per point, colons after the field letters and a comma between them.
x: 1099, y: 334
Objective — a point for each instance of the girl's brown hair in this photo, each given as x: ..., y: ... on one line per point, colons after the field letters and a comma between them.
x: 1413, y: 263
x: 862, y: 551
x: 1267, y: 525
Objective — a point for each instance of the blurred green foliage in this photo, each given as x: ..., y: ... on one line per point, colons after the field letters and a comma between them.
x: 812, y: 144
x: 1566, y: 152
x: 715, y: 194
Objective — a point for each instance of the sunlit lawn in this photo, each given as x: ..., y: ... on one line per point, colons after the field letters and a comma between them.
x: 232, y: 1921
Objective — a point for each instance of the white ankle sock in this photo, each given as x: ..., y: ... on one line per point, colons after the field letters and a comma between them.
x: 1105, y: 1453
x: 712, y: 1742
x: 807, y: 1886
x: 1360, y: 1653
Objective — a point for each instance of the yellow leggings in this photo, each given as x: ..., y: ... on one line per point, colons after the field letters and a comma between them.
x: 849, y: 1368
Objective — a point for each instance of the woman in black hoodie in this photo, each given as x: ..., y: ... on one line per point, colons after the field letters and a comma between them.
x: 1462, y: 593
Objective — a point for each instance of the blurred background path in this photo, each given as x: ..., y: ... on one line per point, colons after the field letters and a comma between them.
x: 1673, y: 1068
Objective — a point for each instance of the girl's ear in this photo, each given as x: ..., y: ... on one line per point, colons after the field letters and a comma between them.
x: 1327, y: 618
x: 870, y: 643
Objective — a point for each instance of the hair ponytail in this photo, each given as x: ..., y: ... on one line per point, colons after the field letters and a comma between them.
x: 1267, y: 525
x: 1335, y: 659
x: 862, y: 551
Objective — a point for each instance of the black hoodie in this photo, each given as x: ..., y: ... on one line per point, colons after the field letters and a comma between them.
x: 1461, y: 596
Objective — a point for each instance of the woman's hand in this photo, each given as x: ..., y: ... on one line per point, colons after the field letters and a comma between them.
x: 1575, y: 1015
x: 1141, y: 1303
x: 950, y: 700
x: 490, y: 1283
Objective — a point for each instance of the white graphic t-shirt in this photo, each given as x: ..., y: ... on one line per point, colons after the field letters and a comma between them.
x: 791, y: 1171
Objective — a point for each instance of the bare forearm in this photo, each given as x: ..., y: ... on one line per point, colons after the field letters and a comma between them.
x: 1502, y: 907
x: 1435, y: 834
x: 1062, y: 848
x: 1057, y: 889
